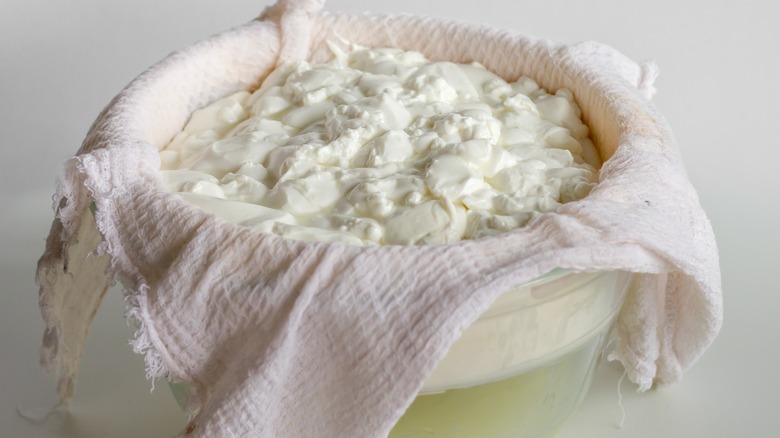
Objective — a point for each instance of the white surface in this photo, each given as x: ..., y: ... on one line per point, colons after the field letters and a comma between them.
x: 63, y: 61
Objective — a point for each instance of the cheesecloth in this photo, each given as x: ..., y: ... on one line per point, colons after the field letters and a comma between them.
x: 284, y: 338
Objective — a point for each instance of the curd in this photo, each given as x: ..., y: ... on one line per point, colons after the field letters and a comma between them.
x: 382, y: 146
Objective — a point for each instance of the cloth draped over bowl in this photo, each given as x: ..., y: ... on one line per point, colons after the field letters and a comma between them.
x: 284, y: 338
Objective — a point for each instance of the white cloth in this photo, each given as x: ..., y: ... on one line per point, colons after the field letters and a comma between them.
x: 287, y: 338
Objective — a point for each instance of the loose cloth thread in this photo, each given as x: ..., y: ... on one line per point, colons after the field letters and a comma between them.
x: 285, y: 338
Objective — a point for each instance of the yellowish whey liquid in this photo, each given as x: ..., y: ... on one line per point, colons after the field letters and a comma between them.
x: 531, y: 405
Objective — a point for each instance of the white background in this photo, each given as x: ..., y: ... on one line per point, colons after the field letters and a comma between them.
x: 63, y: 61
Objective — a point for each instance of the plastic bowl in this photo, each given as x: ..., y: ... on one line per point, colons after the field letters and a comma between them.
x: 523, y: 367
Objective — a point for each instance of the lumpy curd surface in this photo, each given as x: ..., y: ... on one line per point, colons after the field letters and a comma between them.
x: 382, y: 146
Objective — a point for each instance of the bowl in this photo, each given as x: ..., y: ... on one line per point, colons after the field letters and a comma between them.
x: 523, y: 367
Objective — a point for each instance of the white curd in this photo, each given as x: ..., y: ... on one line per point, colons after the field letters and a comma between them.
x: 382, y: 146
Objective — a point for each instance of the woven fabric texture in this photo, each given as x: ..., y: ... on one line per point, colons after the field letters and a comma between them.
x: 285, y: 338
